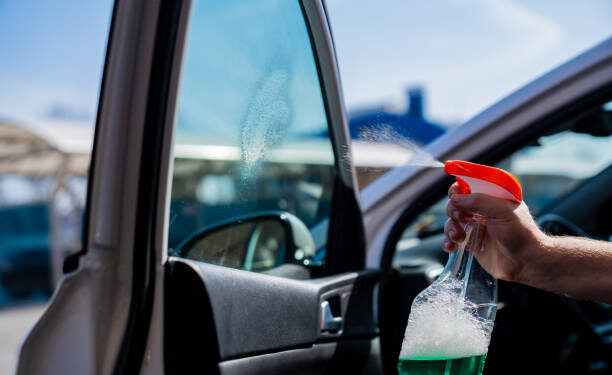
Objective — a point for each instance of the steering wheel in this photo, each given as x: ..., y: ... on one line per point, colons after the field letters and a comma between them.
x: 557, y: 225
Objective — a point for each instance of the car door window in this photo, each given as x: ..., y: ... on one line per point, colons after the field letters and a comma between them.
x: 252, y: 137
x: 549, y: 169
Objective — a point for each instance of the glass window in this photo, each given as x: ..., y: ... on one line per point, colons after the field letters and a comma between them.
x: 557, y: 165
x: 51, y: 61
x: 252, y: 137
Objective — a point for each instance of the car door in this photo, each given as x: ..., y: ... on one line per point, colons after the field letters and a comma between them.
x: 277, y: 99
x: 221, y: 118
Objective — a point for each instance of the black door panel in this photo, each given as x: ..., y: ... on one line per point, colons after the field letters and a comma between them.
x: 218, y: 315
x: 311, y: 360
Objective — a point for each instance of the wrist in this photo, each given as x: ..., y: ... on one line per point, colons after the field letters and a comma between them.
x: 534, y: 259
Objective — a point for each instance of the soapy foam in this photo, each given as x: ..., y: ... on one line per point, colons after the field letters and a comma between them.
x: 444, y: 325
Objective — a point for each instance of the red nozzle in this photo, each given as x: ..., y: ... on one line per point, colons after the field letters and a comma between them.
x: 478, y: 178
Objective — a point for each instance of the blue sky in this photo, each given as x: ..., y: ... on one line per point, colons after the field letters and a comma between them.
x: 465, y: 53
x: 51, y: 57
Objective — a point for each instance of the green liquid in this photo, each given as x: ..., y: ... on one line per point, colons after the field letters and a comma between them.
x: 442, y: 366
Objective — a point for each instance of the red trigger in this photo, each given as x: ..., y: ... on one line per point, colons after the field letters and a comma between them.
x: 464, y: 188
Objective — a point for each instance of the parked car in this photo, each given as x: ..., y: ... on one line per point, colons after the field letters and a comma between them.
x: 163, y: 282
x: 24, y: 251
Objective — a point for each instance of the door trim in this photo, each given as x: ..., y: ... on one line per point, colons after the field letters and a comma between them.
x: 130, y: 357
x: 329, y: 78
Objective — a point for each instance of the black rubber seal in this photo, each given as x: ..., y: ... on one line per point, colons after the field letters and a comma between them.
x: 346, y: 237
x: 71, y: 262
x: 133, y: 348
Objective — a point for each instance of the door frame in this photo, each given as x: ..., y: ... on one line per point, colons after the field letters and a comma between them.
x: 89, y: 324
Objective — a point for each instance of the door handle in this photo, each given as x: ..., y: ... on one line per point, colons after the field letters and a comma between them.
x: 329, y: 322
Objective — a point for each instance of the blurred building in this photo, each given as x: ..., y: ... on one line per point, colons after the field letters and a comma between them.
x: 43, y: 172
x: 383, y: 139
x: 411, y: 124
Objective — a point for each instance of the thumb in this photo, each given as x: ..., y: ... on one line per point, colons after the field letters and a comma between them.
x: 483, y: 204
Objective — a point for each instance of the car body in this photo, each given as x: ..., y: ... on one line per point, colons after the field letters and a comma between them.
x: 125, y: 305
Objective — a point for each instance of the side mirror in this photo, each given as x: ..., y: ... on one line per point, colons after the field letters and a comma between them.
x: 256, y: 243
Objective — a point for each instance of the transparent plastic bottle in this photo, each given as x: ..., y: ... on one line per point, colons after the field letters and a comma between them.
x: 450, y: 323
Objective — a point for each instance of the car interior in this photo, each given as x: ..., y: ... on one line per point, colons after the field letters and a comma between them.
x: 553, y: 333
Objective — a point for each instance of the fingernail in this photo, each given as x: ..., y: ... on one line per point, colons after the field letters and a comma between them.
x: 445, y: 243
x: 452, y: 234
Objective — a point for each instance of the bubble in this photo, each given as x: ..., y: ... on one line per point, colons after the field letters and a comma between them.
x: 444, y: 325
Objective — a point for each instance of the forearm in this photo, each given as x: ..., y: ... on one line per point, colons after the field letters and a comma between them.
x: 578, y: 267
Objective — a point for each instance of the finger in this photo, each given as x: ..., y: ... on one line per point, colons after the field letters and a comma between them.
x: 483, y: 204
x: 454, y: 189
x: 448, y: 245
x: 453, y: 231
x: 453, y: 212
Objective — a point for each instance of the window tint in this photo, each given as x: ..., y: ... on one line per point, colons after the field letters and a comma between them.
x: 252, y: 136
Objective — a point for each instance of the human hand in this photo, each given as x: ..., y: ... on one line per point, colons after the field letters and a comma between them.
x: 513, y: 238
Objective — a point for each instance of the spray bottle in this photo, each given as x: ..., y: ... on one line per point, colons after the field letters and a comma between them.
x: 450, y: 323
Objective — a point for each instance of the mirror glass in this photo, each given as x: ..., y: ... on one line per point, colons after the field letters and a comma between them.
x: 252, y: 245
